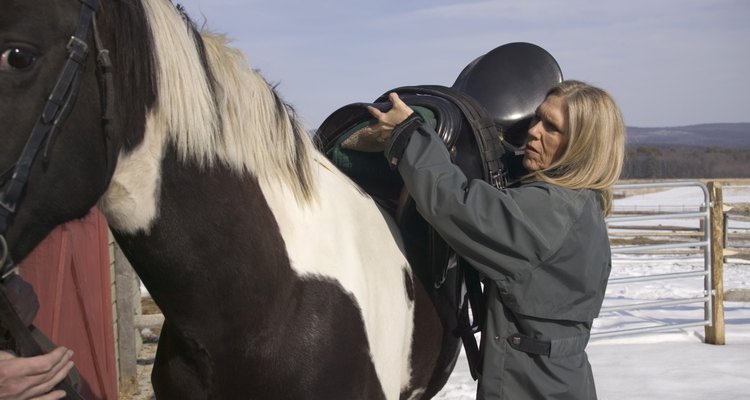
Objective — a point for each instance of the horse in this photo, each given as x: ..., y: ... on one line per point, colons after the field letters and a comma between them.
x: 278, y: 277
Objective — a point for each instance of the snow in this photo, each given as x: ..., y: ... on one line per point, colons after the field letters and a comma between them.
x: 671, y: 364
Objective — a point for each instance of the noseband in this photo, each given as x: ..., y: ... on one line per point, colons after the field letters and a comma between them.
x: 55, y: 112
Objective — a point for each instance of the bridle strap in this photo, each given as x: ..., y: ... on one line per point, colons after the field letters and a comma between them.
x: 55, y: 110
x: 105, y: 75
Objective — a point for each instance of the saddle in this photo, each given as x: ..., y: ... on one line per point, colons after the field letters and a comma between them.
x: 484, y: 142
x: 475, y: 144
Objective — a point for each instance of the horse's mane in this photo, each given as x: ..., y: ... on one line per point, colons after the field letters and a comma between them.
x: 214, y: 107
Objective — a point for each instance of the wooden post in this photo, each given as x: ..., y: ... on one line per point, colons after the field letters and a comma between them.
x: 127, y: 360
x: 715, y: 332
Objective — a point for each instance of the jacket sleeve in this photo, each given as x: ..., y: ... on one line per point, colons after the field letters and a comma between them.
x: 505, y: 233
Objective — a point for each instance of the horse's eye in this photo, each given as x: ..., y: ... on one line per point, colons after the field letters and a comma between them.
x: 15, y: 59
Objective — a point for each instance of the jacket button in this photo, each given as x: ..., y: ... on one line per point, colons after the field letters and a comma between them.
x: 497, y: 337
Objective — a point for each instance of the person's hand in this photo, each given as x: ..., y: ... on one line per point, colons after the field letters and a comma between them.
x: 34, y: 377
x: 373, y: 138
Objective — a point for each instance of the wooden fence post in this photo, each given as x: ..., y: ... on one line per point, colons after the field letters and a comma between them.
x: 126, y: 344
x: 715, y: 332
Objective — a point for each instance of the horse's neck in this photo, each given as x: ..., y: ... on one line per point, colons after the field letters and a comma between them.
x: 195, y: 232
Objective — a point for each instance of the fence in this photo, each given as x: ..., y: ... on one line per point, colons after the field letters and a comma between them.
x: 706, y: 240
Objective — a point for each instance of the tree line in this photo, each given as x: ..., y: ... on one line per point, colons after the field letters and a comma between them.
x: 658, y: 162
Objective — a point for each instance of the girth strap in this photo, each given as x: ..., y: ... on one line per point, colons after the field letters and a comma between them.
x: 470, y: 315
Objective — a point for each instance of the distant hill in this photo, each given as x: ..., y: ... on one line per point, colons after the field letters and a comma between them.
x: 703, y: 151
x: 704, y: 135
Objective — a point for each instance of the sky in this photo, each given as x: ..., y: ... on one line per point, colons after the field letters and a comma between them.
x: 666, y: 62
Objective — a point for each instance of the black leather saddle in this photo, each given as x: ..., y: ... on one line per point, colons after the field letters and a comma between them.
x: 482, y: 120
x: 470, y: 134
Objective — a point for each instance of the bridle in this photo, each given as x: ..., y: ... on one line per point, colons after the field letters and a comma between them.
x: 55, y: 112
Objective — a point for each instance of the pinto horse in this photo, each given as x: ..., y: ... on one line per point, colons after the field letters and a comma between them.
x: 278, y: 277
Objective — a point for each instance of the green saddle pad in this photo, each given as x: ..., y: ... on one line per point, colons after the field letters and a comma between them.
x: 368, y: 166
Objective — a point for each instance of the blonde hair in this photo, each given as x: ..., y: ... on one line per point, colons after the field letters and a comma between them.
x: 595, y: 150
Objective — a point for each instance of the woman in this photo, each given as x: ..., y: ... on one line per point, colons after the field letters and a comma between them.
x: 542, y: 246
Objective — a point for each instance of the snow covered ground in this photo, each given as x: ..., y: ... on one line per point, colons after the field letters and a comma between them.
x: 673, y: 364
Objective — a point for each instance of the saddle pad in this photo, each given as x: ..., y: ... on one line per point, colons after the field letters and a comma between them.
x: 362, y: 164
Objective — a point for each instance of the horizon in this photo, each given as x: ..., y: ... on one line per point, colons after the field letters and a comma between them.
x: 687, y: 126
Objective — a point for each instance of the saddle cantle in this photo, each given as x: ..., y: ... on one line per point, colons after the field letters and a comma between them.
x: 510, y: 82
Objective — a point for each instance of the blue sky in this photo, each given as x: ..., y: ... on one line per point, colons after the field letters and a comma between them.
x: 666, y: 62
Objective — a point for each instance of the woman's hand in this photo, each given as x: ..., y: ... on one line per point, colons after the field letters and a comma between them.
x: 373, y: 138
x: 34, y: 377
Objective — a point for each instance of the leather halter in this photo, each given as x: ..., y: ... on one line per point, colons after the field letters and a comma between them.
x: 55, y: 111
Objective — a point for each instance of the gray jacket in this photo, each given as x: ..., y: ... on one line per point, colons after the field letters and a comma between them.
x: 545, y: 253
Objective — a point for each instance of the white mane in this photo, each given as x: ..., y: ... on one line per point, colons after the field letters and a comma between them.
x: 239, y: 120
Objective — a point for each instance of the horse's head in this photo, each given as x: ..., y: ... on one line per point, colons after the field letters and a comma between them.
x: 53, y: 151
x: 182, y: 91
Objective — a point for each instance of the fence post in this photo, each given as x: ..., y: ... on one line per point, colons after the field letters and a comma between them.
x: 125, y: 286
x: 715, y: 332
